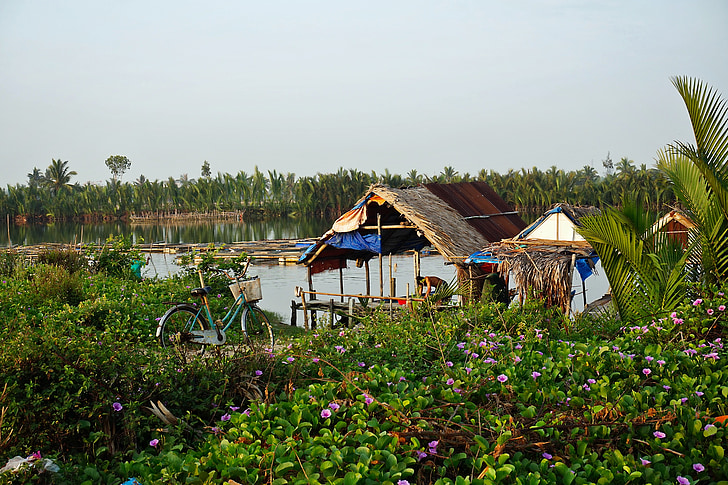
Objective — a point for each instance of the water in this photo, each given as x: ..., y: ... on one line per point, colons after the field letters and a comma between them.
x: 278, y: 282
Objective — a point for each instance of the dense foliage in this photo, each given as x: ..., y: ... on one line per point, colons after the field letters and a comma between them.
x: 480, y: 394
x: 260, y: 194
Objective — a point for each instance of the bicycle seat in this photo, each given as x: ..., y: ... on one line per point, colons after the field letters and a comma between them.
x: 200, y: 291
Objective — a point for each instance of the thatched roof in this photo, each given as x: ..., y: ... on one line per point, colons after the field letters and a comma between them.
x: 418, y: 216
x: 541, y: 268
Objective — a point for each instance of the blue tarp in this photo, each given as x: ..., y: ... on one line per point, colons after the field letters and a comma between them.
x: 481, y: 257
x: 354, y: 240
x: 349, y: 240
x: 585, y: 268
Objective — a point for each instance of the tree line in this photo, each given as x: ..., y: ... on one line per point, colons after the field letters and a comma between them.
x: 51, y: 195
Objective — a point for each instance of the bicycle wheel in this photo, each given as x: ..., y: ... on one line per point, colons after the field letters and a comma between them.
x: 257, y: 329
x: 174, y: 331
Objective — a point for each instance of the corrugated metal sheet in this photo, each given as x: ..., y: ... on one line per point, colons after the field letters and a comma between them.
x: 481, y: 208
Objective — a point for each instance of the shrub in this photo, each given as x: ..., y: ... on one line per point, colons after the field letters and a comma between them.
x: 72, y: 261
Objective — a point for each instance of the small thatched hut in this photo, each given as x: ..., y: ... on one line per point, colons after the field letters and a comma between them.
x: 542, y: 258
x: 456, y: 219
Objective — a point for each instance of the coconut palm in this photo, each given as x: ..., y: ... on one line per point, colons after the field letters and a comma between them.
x: 58, y: 176
x: 699, y: 173
x: 647, y: 273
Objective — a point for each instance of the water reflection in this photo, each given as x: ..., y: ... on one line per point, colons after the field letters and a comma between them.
x: 171, y: 232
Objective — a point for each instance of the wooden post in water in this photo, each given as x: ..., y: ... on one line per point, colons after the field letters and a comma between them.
x: 341, y: 279
x: 369, y: 284
x: 294, y: 313
x: 10, y: 243
x: 381, y: 276
x: 305, y: 315
x: 331, y: 312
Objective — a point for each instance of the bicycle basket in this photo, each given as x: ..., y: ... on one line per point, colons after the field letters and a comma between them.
x: 251, y: 289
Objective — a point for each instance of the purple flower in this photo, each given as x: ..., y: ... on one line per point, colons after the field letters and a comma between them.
x: 334, y: 406
x: 449, y: 364
x: 259, y: 373
x: 659, y: 434
x: 361, y: 364
x: 234, y: 408
x: 698, y: 467
x: 432, y: 445
x: 548, y: 456
x: 368, y: 399
x: 502, y: 378
x: 646, y: 371
x: 315, y: 360
x: 403, y: 482
x: 649, y: 358
x: 421, y: 455
x: 325, y: 413
x: 154, y: 443
x: 661, y: 362
x: 247, y: 412
x: 117, y: 406
x: 468, y: 370
x: 290, y: 359
x: 225, y: 417
x: 683, y: 480
x: 645, y: 462
x: 450, y: 382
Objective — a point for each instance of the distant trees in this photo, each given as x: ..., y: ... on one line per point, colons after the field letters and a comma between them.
x: 270, y: 193
x: 58, y: 176
x: 118, y: 164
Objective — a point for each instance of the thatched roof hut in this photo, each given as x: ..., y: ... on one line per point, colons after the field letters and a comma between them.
x: 541, y: 259
x: 456, y: 219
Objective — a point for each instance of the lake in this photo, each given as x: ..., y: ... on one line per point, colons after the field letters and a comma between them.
x: 278, y: 282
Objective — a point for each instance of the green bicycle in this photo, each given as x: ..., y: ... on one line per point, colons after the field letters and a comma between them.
x: 188, y: 330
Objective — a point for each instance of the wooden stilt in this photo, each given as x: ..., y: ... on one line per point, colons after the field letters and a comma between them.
x: 369, y: 283
x: 305, y: 313
x: 381, y: 246
x: 294, y: 313
x: 341, y: 280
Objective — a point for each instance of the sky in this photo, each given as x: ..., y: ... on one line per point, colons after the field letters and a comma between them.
x: 308, y: 87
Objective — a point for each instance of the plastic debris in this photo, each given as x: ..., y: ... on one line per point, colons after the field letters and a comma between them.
x: 35, y: 460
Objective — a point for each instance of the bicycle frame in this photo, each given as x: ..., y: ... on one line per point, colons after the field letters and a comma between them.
x: 222, y: 325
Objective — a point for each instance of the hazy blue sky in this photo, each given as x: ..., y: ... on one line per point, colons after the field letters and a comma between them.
x: 307, y: 87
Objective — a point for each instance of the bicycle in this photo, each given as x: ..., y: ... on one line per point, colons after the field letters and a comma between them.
x: 188, y: 329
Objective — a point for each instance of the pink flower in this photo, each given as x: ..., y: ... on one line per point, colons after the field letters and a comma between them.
x: 548, y: 456
x: 325, y: 413
x: 535, y: 374
x: 721, y: 308
x: 225, y: 417
x: 698, y: 467
x: 709, y: 311
x: 683, y: 480
x: 659, y: 434
x: 645, y: 462
x: 502, y: 378
x: 450, y: 382
x: 334, y: 406
x: 154, y: 443
x: 697, y: 302
x: 646, y: 371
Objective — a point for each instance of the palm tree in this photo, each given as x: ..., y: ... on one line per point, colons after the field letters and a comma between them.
x: 699, y: 173
x: 647, y: 273
x: 57, y: 175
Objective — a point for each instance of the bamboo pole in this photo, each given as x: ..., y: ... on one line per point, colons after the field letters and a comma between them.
x: 381, y: 246
x: 369, y: 284
x: 341, y: 279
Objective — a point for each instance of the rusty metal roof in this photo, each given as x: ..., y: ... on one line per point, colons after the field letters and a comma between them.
x: 481, y: 208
